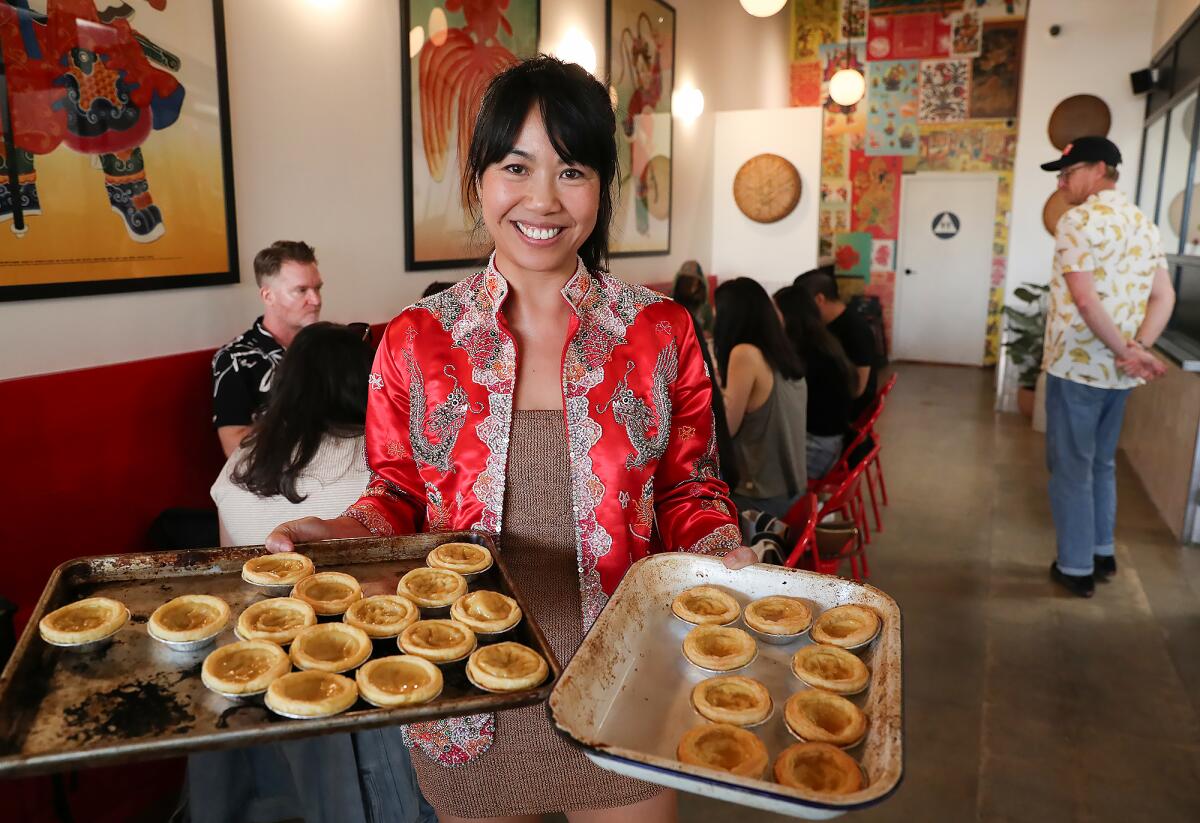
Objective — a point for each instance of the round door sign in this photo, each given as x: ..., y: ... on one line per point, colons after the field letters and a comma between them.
x: 945, y: 224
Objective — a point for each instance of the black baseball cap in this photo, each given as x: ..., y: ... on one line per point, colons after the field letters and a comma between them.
x: 1086, y: 150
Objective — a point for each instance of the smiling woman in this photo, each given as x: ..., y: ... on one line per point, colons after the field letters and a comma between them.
x: 550, y: 403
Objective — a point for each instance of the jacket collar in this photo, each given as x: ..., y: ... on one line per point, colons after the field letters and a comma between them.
x: 494, y: 288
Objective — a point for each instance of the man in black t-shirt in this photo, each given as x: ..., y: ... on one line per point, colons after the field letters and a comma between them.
x: 851, y: 330
x: 290, y: 286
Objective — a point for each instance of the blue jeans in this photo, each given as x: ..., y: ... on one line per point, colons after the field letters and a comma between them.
x: 1083, y: 424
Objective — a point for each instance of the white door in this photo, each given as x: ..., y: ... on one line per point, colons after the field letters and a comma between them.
x: 944, y: 267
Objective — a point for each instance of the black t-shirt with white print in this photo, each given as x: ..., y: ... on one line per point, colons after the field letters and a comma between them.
x: 242, y: 372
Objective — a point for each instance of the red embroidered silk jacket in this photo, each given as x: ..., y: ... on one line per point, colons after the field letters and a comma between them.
x: 638, y: 418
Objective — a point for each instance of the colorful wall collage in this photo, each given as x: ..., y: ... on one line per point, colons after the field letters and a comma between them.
x: 943, y: 80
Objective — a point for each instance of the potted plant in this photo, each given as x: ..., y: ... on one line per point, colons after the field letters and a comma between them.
x: 1026, y: 329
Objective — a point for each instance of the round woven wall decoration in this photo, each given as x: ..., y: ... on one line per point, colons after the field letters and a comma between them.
x: 1055, y: 208
x: 766, y: 188
x: 1078, y: 116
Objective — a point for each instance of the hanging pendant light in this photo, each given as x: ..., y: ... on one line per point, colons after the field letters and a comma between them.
x: 763, y: 8
x: 847, y: 86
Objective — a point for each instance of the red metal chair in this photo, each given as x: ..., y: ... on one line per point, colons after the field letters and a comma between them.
x: 837, y: 475
x: 867, y: 421
x: 801, y: 520
x: 822, y: 549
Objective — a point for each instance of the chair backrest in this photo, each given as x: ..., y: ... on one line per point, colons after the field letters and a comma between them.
x: 801, y: 519
x: 840, y: 499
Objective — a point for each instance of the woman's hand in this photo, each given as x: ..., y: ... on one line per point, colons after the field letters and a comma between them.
x: 739, y: 557
x: 308, y: 529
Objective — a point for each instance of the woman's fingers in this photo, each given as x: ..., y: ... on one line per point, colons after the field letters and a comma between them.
x: 285, y: 537
x: 739, y: 557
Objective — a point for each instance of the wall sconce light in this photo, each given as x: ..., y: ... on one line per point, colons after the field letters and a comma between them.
x: 575, y: 48
x: 847, y: 86
x: 687, y: 103
x: 763, y: 8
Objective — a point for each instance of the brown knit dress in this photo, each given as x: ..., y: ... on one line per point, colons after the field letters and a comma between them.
x: 529, y: 768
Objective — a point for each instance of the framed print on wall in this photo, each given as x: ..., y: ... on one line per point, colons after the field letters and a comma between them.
x: 450, y: 49
x: 115, y: 165
x: 641, y: 69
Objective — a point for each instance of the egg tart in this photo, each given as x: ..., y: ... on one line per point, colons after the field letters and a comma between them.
x: 846, y: 626
x: 400, y: 680
x: 245, y: 667
x: 719, y: 648
x: 328, y: 593
x: 831, y: 668
x: 818, y: 767
x: 464, y: 558
x: 738, y: 701
x: 432, y: 588
x: 486, y: 612
x: 778, y: 615
x: 282, y: 569
x: 278, y: 619
x: 725, y: 747
x: 189, y: 617
x: 706, y: 605
x: 506, y: 667
x: 383, y: 615
x: 84, y: 621
x: 311, y: 694
x: 331, y: 647
x: 817, y: 716
x: 438, y: 641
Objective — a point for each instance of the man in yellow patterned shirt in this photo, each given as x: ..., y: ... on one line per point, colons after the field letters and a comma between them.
x: 1110, y: 298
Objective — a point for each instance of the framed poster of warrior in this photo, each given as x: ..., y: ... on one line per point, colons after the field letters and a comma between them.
x: 115, y: 165
x: 450, y: 50
x: 641, y: 70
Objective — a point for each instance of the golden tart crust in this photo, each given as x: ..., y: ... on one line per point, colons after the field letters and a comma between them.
x: 399, y: 680
x: 189, y: 617
x: 818, y: 767
x: 245, y: 667
x: 282, y: 569
x: 432, y: 588
x: 438, y: 641
x: 84, y: 621
x: 719, y: 648
x: 831, y: 668
x: 486, y: 612
x: 846, y: 626
x: 328, y: 593
x: 778, y: 614
x: 738, y: 701
x: 725, y: 747
x: 330, y: 647
x: 818, y: 716
x: 383, y: 615
x: 506, y: 667
x: 311, y: 694
x: 278, y: 619
x: 464, y: 558
x: 705, y: 606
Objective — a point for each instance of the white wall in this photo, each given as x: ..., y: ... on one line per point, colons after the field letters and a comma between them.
x: 315, y: 112
x: 771, y: 253
x: 1170, y: 16
x: 1100, y: 44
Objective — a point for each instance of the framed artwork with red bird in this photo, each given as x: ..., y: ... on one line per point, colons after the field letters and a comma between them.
x: 641, y: 71
x: 451, y: 49
x: 116, y: 171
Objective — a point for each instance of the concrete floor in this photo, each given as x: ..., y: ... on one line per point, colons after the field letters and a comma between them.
x: 1023, y: 703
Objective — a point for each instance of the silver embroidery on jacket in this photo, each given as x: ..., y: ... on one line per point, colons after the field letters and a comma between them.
x: 633, y: 413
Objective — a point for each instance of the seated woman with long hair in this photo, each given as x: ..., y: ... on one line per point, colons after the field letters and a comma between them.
x: 305, y: 456
x: 831, y: 378
x: 765, y: 397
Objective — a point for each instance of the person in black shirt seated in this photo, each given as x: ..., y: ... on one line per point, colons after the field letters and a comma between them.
x: 831, y: 378
x: 290, y: 286
x: 851, y: 330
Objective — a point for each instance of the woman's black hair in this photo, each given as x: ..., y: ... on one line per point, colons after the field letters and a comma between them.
x: 745, y: 314
x: 579, y: 119
x: 320, y: 388
x: 802, y: 322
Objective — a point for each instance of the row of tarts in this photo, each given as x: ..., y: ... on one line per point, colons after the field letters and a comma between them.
x: 433, y: 619
x: 820, y: 717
